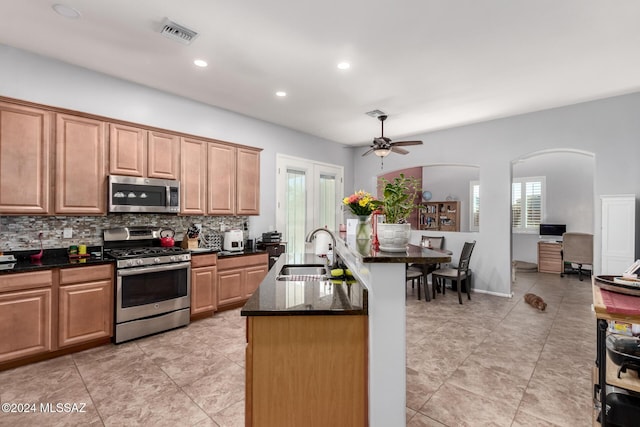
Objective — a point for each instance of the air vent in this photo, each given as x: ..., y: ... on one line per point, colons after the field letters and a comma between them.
x: 177, y: 32
x: 375, y: 113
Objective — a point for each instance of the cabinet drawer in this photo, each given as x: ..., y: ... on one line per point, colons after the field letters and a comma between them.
x: 85, y: 274
x: 35, y: 279
x: 242, y: 261
x: 203, y: 260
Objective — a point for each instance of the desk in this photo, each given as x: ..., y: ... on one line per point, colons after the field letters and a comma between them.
x: 606, y: 372
x: 549, y: 257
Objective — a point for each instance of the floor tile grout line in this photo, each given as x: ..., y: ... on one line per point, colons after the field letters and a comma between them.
x: 86, y: 387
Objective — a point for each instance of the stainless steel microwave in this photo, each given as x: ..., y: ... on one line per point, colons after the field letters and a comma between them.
x: 149, y: 195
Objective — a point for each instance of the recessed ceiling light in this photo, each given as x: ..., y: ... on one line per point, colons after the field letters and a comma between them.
x: 344, y: 65
x: 66, y: 11
x: 200, y: 63
x: 281, y: 93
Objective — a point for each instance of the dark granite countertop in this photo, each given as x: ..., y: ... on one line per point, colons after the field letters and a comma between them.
x: 413, y: 254
x: 52, y: 258
x: 304, y: 298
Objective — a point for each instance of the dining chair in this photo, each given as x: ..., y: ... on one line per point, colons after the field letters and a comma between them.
x: 460, y: 275
x: 420, y: 272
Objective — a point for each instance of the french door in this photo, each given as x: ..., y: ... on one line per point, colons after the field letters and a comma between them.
x: 308, y: 195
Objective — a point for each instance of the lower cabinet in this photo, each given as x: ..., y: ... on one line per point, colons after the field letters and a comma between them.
x: 25, y: 314
x: 85, y: 304
x: 239, y: 277
x: 306, y: 371
x: 204, y: 281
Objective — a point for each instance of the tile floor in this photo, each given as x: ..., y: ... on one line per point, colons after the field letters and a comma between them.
x: 492, y: 361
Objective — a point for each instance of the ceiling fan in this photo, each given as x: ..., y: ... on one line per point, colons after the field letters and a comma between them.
x: 382, y: 146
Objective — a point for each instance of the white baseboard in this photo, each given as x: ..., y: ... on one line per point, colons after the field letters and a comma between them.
x: 497, y: 294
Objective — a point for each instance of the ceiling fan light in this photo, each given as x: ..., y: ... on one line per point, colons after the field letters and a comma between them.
x: 382, y: 152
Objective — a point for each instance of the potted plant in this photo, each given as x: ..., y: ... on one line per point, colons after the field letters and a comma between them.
x: 399, y: 200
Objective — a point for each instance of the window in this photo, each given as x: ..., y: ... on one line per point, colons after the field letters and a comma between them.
x: 474, y: 212
x: 527, y: 204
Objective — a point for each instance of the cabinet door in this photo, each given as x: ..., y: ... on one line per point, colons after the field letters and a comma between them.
x: 80, y: 165
x: 248, y: 182
x: 253, y: 279
x: 193, y: 176
x: 230, y: 286
x: 25, y: 323
x: 127, y: 150
x: 25, y: 136
x: 163, y: 156
x: 203, y: 290
x: 86, y: 312
x: 221, y: 198
x: 618, y: 233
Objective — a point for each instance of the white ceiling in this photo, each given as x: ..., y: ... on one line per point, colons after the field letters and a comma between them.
x: 429, y: 64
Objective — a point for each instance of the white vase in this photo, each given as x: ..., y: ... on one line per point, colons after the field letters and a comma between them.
x: 394, y: 237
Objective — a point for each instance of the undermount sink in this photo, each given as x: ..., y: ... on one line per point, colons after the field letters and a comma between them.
x: 303, y: 272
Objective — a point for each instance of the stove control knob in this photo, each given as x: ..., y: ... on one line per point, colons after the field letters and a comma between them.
x: 130, y: 262
x: 173, y: 258
x: 156, y: 260
x: 140, y: 262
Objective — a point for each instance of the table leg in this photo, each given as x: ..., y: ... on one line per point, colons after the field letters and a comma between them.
x: 601, y: 363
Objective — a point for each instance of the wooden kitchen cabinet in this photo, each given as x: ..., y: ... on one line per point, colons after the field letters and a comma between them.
x: 221, y: 178
x: 127, y: 150
x: 25, y: 314
x: 550, y: 257
x: 317, y: 364
x: 85, y: 304
x: 25, y: 140
x: 248, y: 182
x: 135, y: 151
x: 204, y: 289
x: 163, y: 155
x: 81, y: 171
x: 193, y: 176
x: 239, y: 277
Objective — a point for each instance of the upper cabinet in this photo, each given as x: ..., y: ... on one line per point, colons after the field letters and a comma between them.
x: 80, y: 165
x: 127, y: 150
x: 193, y: 178
x: 248, y: 182
x: 25, y: 137
x: 231, y: 183
x: 221, y: 195
x: 163, y: 155
x: 139, y: 152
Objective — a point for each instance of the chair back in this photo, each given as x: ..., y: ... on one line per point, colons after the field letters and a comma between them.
x: 577, y: 248
x: 465, y: 256
x: 436, y: 242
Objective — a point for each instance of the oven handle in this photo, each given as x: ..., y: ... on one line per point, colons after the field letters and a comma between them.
x: 153, y: 268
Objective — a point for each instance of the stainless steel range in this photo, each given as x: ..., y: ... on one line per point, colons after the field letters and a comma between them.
x: 153, y: 283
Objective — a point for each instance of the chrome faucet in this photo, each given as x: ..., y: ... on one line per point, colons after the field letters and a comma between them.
x: 309, y: 239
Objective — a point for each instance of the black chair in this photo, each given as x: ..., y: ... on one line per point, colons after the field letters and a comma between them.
x: 461, y: 275
x: 418, y: 271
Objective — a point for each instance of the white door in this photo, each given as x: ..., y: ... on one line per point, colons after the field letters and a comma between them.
x: 618, y: 233
x: 309, y: 196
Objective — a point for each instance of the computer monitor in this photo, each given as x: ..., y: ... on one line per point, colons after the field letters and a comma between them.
x: 553, y: 229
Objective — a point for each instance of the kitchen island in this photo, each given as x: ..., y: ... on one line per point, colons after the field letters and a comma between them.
x: 320, y: 357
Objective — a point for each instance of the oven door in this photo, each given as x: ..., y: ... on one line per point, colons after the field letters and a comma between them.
x: 152, y: 290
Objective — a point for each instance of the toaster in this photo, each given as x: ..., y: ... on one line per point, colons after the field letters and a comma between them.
x: 233, y: 241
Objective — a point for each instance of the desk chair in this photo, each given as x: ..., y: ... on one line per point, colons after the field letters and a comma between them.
x: 461, y: 275
x: 577, y: 248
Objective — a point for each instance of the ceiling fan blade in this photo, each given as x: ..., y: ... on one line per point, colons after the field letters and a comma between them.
x: 399, y: 150
x: 407, y: 143
x: 369, y: 151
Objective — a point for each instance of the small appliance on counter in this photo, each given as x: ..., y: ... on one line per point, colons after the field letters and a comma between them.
x: 271, y: 237
x: 233, y: 241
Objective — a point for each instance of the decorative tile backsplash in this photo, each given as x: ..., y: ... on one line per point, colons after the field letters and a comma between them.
x: 21, y: 232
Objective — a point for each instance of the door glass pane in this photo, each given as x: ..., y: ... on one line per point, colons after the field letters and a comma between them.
x: 295, y: 210
x: 327, y: 202
x: 150, y: 288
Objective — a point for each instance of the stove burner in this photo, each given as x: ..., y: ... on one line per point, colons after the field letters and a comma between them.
x: 142, y: 252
